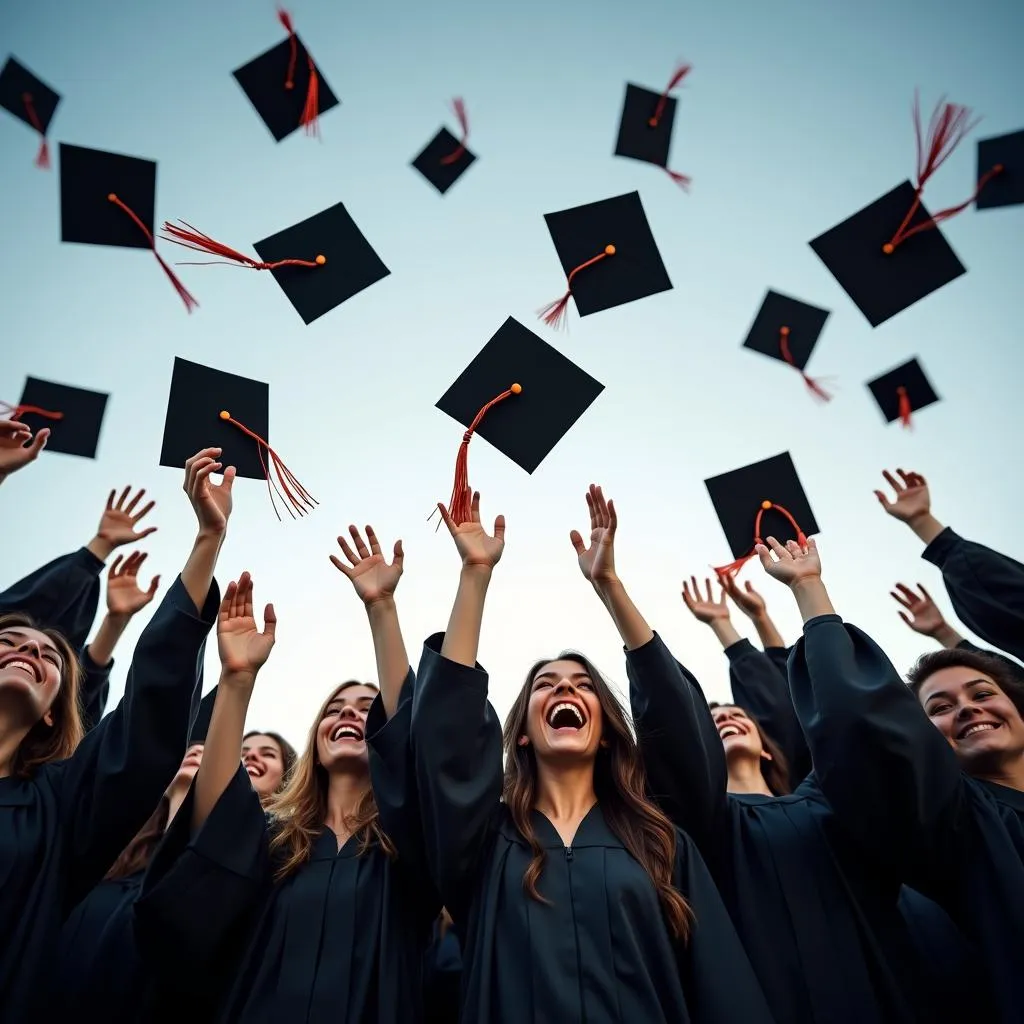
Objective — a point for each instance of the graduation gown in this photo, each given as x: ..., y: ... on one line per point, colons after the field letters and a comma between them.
x: 985, y: 588
x: 340, y: 941
x: 442, y: 977
x: 61, y: 829
x: 895, y: 782
x: 599, y: 949
x: 819, y: 918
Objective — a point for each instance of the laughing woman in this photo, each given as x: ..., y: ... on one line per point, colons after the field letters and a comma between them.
x: 576, y: 897
x: 268, y: 759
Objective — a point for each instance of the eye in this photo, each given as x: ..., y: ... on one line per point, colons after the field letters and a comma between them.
x: 979, y: 694
x: 587, y: 685
x: 542, y: 684
x: 52, y: 657
x: 6, y: 641
x: 938, y: 709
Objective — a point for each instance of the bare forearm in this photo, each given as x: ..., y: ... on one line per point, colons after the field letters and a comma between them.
x: 462, y: 638
x: 812, y: 598
x: 389, y: 650
x: 100, y: 547
x: 947, y: 636
x: 767, y: 632
x: 632, y: 626
x: 197, y: 576
x: 223, y: 743
x: 927, y: 527
x: 112, y: 628
x: 725, y: 631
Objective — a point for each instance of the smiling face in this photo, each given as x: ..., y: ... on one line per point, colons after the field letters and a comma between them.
x: 263, y: 762
x: 31, y: 667
x: 564, y: 718
x: 341, y: 733
x: 188, y: 767
x: 978, y: 719
x: 738, y: 732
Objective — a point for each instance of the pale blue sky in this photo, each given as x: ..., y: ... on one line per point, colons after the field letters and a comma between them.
x: 795, y: 116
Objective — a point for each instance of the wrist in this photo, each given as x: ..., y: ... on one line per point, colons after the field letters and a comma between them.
x: 477, y: 570
x: 606, y: 586
x: 211, y: 534
x: 243, y: 679
x: 811, y: 597
x: 926, y: 526
x: 947, y: 636
x: 118, y: 620
x: 381, y: 606
x: 725, y: 631
x: 100, y: 547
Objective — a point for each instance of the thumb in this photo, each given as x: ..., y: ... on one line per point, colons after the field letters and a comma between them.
x: 270, y: 622
x: 229, y: 478
x: 499, y: 529
x: 883, y: 500
x: 765, y: 556
x: 153, y: 585
x: 577, y: 542
x: 906, y: 618
x: 39, y: 442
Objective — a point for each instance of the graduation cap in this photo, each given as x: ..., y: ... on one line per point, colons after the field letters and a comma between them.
x: 763, y: 499
x: 73, y: 415
x: 286, y: 87
x: 788, y: 329
x: 902, y: 391
x: 645, y: 128
x: 1002, y: 159
x: 609, y: 256
x: 210, y: 408
x: 30, y: 100
x: 446, y: 158
x: 891, y: 254
x: 110, y: 199
x: 520, y: 394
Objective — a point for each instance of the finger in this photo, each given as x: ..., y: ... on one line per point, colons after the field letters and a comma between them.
x: 202, y: 473
x: 906, y: 591
x: 778, y: 550
x: 398, y: 558
x: 229, y: 479
x: 371, y: 539
x: 499, y: 529
x: 749, y: 587
x: 600, y: 505
x: 906, y: 477
x: 148, y: 507
x: 812, y: 546
x: 728, y: 583
x: 446, y: 518
x: 883, y: 500
x: 146, y: 532
x: 764, y: 555
x: 153, y: 586
x: 340, y: 566
x: 707, y: 587
x: 357, y: 539
x: 696, y: 588
x: 347, y: 551
x: 39, y: 442
x: 121, y: 500
x: 248, y: 599
x: 687, y: 598
x: 270, y: 622
x: 613, y: 517
x: 591, y: 508
x: 474, y: 507
x: 130, y: 507
x: 577, y: 542
x: 927, y: 596
x: 110, y: 499
x: 891, y: 480
x: 900, y: 599
x: 113, y: 568
x: 906, y: 618
x: 227, y: 600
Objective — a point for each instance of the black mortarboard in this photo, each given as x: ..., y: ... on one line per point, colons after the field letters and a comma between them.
x: 445, y: 157
x: 30, y: 100
x: 902, y: 391
x: 645, y: 129
x: 1004, y: 155
x: 73, y: 415
x: 608, y: 254
x: 740, y: 498
x: 285, y: 86
x: 350, y: 263
x: 525, y: 425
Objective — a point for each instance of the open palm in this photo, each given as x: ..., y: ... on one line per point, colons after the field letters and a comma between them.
x: 119, y: 522
x: 476, y: 547
x: 924, y: 616
x: 243, y: 648
x: 747, y: 599
x: 912, y: 499
x: 791, y: 564
x: 704, y: 608
x: 372, y: 578
x: 124, y: 595
x: 597, y: 560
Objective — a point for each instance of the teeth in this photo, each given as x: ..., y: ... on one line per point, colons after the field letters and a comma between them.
x: 729, y: 730
x: 565, y: 706
x: 346, y: 732
x: 23, y: 665
x: 980, y: 727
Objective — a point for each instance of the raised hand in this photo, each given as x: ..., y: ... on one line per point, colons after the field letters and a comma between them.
x: 704, y: 609
x: 124, y: 595
x: 597, y: 562
x: 15, y: 453
x: 912, y: 500
x: 748, y: 600
x: 369, y: 573
x: 211, y: 502
x: 924, y: 616
x: 791, y: 564
x: 118, y: 524
x: 243, y: 648
x: 475, y: 546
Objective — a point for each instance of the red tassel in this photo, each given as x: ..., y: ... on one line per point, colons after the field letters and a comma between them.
x: 310, y: 117
x: 459, y: 106
x: 553, y: 314
x: 459, y: 508
x: 812, y: 385
x: 295, y: 496
x: 43, y: 156
x: 949, y: 126
x: 286, y: 20
x: 193, y: 238
x: 682, y: 180
x: 186, y: 297
x: 680, y: 73
x: 904, y: 407
x: 17, y: 411
x: 734, y: 567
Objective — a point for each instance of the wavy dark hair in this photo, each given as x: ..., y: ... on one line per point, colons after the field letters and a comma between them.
x: 774, y: 772
x: 1003, y: 673
x: 288, y: 755
x: 620, y: 785
x: 45, y: 743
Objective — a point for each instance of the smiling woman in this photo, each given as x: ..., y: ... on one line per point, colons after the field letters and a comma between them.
x: 269, y: 760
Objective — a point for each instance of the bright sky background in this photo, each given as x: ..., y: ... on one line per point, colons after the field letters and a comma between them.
x: 795, y: 116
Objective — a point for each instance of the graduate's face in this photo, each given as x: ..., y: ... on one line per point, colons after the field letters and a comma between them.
x: 341, y: 734
x: 980, y: 722
x: 738, y: 733
x: 30, y: 672
x: 189, y: 766
x: 263, y: 762
x: 564, y: 716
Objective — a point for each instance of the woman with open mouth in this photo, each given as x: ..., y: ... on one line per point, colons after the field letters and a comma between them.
x: 268, y: 759
x: 577, y: 898
x: 939, y: 802
x: 321, y: 902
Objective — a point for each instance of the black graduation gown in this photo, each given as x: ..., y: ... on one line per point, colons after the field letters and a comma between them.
x: 894, y: 781
x: 442, y: 977
x: 599, y: 950
x: 62, y: 829
x: 819, y: 918
x: 340, y: 941
x: 985, y: 588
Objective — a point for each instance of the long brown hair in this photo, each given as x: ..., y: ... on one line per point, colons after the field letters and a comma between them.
x: 300, y: 808
x: 45, y: 743
x: 288, y: 755
x: 620, y: 785
x: 136, y: 855
x: 774, y: 772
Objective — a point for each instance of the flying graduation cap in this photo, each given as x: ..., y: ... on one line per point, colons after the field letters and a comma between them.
x: 285, y: 86
x: 645, y: 128
x: 1003, y: 154
x: 446, y: 158
x: 788, y: 329
x: 764, y: 499
x: 892, y: 254
x: 520, y: 394
x: 30, y: 100
x: 608, y: 254
x: 902, y: 391
x: 73, y: 415
x: 211, y: 408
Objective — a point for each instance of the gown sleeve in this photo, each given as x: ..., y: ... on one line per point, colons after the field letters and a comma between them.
x: 888, y: 773
x: 985, y: 588
x: 456, y: 743
x: 115, y: 778
x: 679, y: 742
x: 62, y: 595
x: 94, y: 690
x: 762, y: 688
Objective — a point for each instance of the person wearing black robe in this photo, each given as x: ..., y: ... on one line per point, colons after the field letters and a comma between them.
x: 65, y: 820
x: 575, y: 897
x: 320, y: 910
x: 985, y: 587
x: 894, y: 778
x: 442, y: 973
